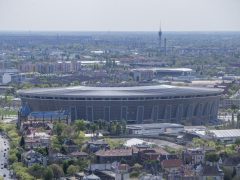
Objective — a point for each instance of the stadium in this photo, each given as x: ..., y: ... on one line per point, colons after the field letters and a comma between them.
x: 138, y: 104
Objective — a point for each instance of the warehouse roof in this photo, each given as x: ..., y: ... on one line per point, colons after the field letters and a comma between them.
x: 226, y: 133
x: 165, y: 69
x: 156, y: 90
x: 154, y: 125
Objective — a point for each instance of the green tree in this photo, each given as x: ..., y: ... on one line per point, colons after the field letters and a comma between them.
x: 65, y: 166
x: 58, y: 128
x: 55, y: 144
x: 212, y: 157
x: 21, y: 171
x: 112, y: 128
x: 57, y: 171
x: 233, y: 122
x: 71, y: 170
x: 80, y: 125
x: 36, y: 170
x: 82, y: 164
x: 237, y: 142
x: 238, y: 120
x: 94, y: 127
x: 124, y: 126
x: 234, y: 108
x: 118, y: 129
x: 12, y: 158
x: 197, y: 142
x: 137, y: 167
x: 43, y: 151
x: 134, y: 174
x: 22, y: 142
x: 48, y: 174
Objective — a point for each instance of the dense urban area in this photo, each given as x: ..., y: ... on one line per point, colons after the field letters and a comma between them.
x: 120, y: 105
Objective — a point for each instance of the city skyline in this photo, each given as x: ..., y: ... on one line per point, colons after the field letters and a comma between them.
x: 136, y: 15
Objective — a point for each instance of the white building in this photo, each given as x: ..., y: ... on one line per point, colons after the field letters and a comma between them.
x: 155, y: 129
x: 225, y: 136
x: 142, y: 74
x: 6, y: 78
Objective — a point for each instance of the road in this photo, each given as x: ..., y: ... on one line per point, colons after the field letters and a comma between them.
x: 9, y: 119
x: 4, y: 147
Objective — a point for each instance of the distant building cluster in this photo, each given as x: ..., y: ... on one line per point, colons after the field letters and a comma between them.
x: 51, y: 67
x: 150, y: 73
x: 11, y: 75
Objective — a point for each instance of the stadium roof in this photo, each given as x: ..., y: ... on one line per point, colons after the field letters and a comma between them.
x: 156, y: 90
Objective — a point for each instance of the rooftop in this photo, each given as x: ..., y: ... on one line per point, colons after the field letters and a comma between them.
x: 154, y: 90
x: 225, y: 133
x: 212, y: 171
x: 114, y: 152
x: 170, y: 163
x: 154, y: 125
x: 135, y: 141
x: 166, y: 69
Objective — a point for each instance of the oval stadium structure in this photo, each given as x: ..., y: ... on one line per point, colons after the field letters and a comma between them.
x: 138, y: 104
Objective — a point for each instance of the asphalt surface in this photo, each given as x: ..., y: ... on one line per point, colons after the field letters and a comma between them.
x: 4, y: 147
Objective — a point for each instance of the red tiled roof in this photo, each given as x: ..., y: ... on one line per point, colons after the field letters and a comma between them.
x: 171, y: 163
x: 160, y: 151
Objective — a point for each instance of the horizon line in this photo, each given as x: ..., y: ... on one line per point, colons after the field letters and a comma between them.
x: 113, y: 31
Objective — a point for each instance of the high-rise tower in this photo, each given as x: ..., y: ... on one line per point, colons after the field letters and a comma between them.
x: 160, y: 37
x: 165, y: 46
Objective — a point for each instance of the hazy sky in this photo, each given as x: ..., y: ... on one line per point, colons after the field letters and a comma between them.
x: 119, y: 15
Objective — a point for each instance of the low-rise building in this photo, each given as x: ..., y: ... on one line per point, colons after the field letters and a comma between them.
x: 91, y: 177
x: 37, y: 140
x: 171, y: 166
x: 231, y: 162
x: 32, y: 157
x: 194, y: 156
x: 211, y: 172
x: 104, y: 156
x: 78, y: 155
x: 70, y: 146
x: 94, y: 146
x: 154, y: 129
x: 147, y: 154
x: 151, y: 177
x: 226, y: 135
x: 57, y: 157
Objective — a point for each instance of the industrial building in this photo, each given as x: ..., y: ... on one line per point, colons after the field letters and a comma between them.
x: 154, y: 129
x: 138, y: 104
x: 226, y: 135
x: 147, y: 74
